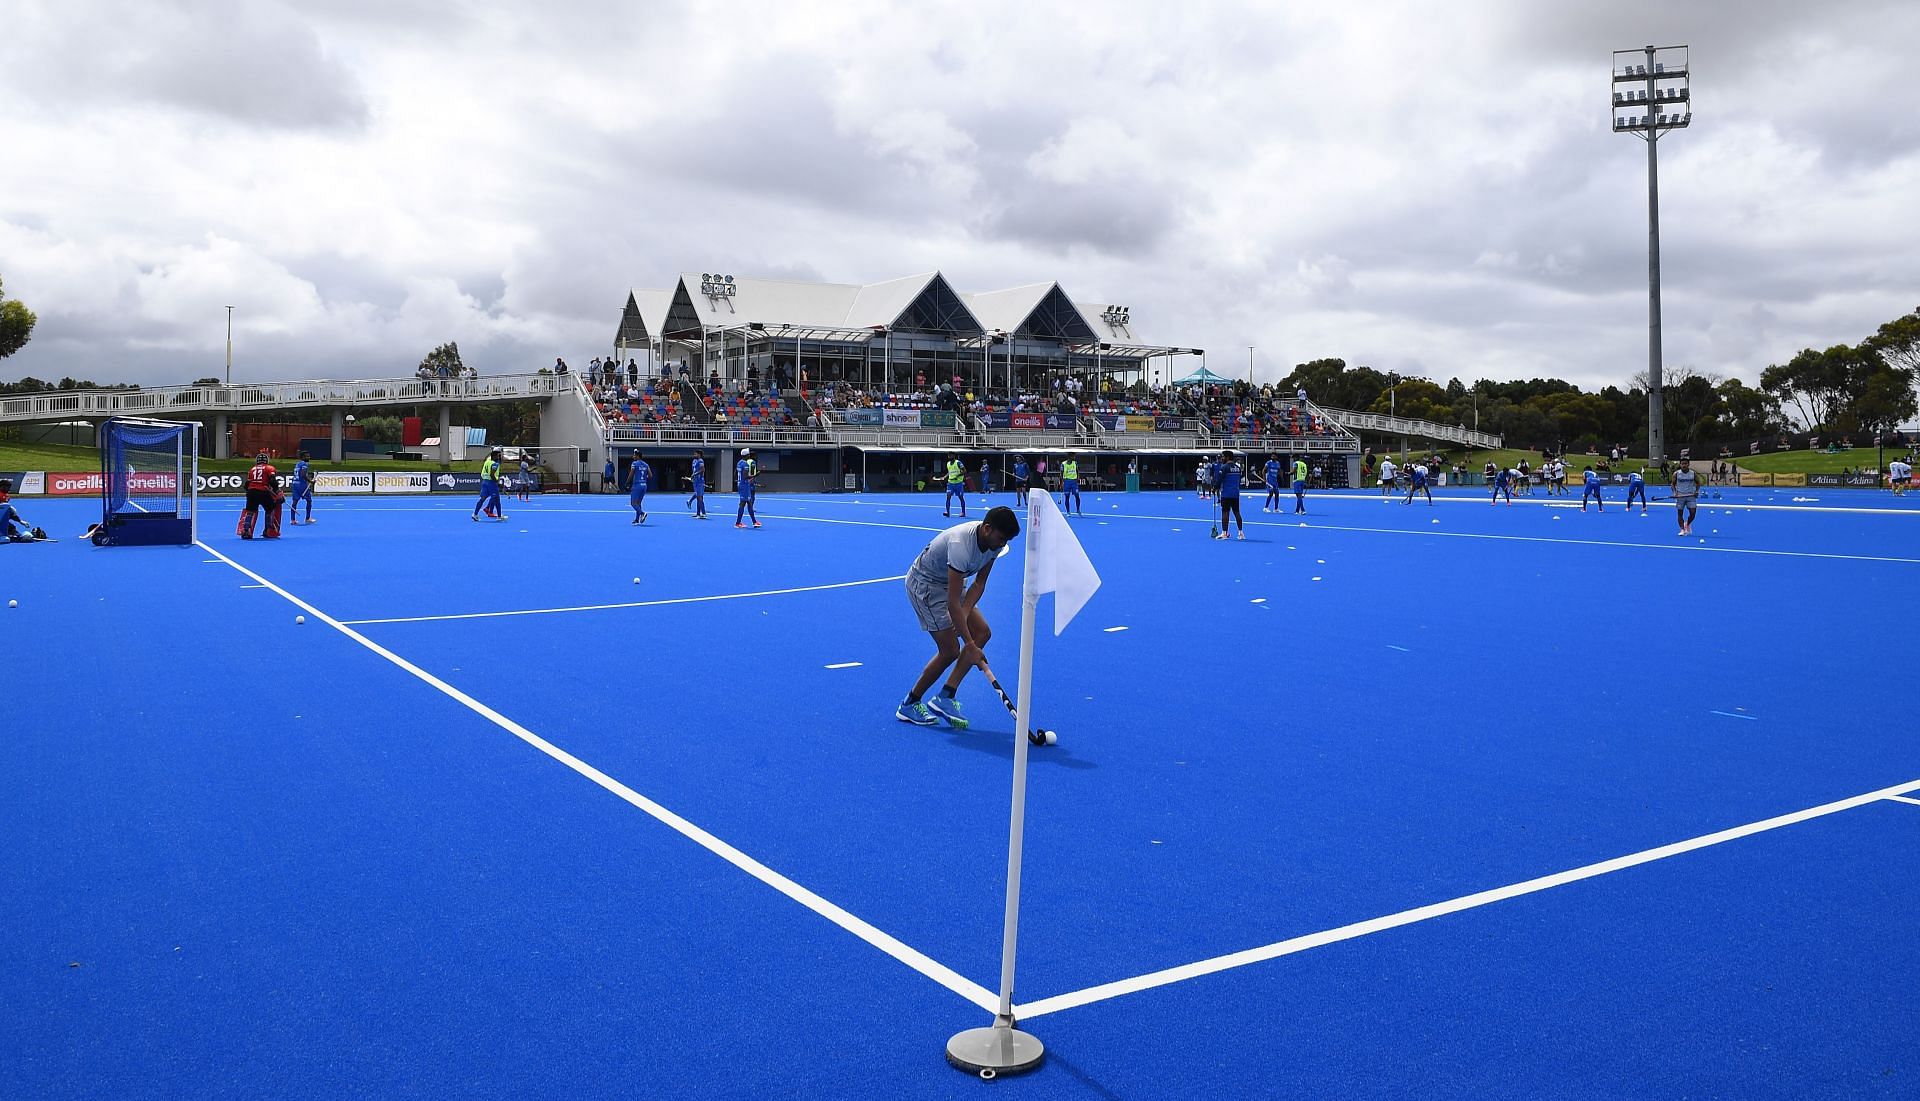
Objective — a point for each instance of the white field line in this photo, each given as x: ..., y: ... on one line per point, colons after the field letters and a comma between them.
x: 1440, y: 909
x: 625, y: 604
x: 885, y: 942
x: 1904, y: 799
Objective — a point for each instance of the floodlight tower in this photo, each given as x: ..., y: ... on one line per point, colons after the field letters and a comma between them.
x: 1652, y: 95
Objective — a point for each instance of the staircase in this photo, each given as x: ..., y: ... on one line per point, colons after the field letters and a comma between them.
x: 693, y: 403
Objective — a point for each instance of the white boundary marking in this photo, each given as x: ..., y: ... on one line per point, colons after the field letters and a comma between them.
x: 1479, y: 498
x: 885, y: 942
x: 1440, y: 909
x: 1904, y: 799
x: 627, y: 604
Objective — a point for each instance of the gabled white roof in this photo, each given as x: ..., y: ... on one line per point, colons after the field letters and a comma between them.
x: 653, y: 310
x: 882, y: 303
x: 773, y: 302
x: 1004, y: 310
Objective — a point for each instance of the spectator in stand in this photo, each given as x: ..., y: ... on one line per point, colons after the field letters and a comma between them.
x: 559, y: 366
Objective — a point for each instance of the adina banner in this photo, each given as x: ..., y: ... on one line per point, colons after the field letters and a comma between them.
x: 1859, y: 481
x: 1166, y: 424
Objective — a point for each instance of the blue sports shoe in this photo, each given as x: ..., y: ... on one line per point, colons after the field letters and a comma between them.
x: 915, y: 713
x: 948, y: 708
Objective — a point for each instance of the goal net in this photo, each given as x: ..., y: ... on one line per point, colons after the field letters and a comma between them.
x: 148, y: 471
x: 551, y: 469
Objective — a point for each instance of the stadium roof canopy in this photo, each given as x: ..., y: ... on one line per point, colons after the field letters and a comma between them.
x: 701, y: 302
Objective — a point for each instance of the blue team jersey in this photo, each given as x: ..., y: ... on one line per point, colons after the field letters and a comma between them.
x: 1419, y: 475
x: 699, y: 475
x: 743, y: 472
x: 1273, y: 472
x: 301, y: 473
x: 1592, y: 480
x: 639, y: 476
x: 1020, y: 470
x: 1227, y: 477
x: 1634, y: 482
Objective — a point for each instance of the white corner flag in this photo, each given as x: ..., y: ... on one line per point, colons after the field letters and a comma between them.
x: 1060, y: 565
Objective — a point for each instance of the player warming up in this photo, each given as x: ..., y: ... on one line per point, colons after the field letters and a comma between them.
x: 1686, y: 497
x: 1020, y: 476
x: 1591, y: 488
x: 744, y: 472
x: 1070, y: 487
x: 956, y: 479
x: 1417, y: 483
x: 1226, y: 483
x: 1272, y: 472
x: 948, y: 609
x: 1637, y: 487
x: 523, y: 485
x: 639, y: 478
x: 263, y: 495
x: 697, y: 500
x: 1299, y: 486
x: 1503, y: 484
x: 302, y: 490
x: 489, y: 487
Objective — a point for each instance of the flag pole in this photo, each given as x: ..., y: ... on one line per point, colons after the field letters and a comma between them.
x: 1001, y: 1048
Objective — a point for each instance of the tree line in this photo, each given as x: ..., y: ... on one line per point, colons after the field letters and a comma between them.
x: 1846, y: 390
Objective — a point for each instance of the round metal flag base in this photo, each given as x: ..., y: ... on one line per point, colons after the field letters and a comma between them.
x: 996, y: 1050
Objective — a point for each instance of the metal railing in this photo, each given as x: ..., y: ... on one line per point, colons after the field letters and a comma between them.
x: 174, y: 402
x: 1354, y: 421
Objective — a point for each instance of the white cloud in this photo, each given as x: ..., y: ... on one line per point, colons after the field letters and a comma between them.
x: 1387, y: 181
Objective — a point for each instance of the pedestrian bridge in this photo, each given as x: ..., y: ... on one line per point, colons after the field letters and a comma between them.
x: 198, y: 402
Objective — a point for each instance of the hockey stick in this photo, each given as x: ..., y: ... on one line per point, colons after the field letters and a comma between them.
x: 1037, y: 735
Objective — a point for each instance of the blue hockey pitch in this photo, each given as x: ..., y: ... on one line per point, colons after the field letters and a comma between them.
x: 1386, y: 801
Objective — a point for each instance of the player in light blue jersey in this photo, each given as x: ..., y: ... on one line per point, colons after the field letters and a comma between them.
x: 1591, y: 489
x: 639, y: 480
x: 744, y: 472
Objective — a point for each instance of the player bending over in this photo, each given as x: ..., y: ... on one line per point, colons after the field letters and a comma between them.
x: 302, y: 490
x: 1503, y: 483
x: 1417, y: 483
x: 949, y: 610
x: 1591, y: 488
x: 1686, y: 497
x: 639, y: 479
x: 263, y: 494
x: 744, y: 472
x: 1070, y: 488
x: 1637, y: 487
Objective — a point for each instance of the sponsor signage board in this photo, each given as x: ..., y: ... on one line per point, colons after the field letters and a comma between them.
x: 1863, y: 481
x: 900, y: 418
x: 402, y: 481
x: 1137, y: 423
x: 863, y: 416
x: 936, y: 418
x: 343, y: 481
x: 1029, y: 420
x: 1166, y: 424
x: 447, y: 482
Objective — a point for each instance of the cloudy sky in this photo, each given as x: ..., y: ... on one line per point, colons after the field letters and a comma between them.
x: 1420, y: 186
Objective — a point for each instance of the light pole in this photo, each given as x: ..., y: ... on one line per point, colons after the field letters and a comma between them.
x: 229, y: 345
x: 1651, y: 97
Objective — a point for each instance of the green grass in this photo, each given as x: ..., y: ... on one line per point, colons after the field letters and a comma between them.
x: 47, y: 456
x: 1814, y: 462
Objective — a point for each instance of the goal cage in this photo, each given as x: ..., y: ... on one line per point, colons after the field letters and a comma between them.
x: 554, y: 469
x: 149, y: 475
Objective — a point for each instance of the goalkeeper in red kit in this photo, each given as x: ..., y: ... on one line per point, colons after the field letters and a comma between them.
x: 263, y: 494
